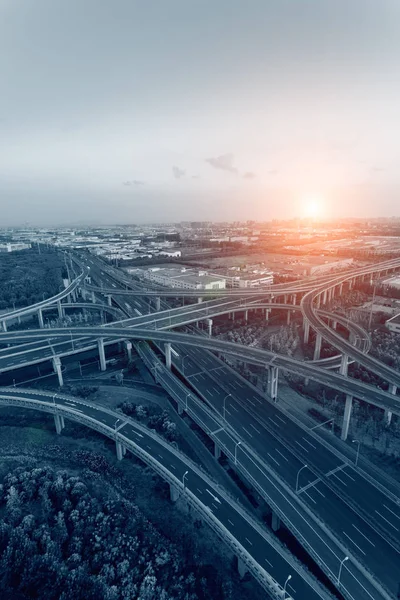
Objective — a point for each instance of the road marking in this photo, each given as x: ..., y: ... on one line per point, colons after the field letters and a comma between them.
x: 312, y: 499
x: 364, y: 536
x: 215, y: 497
x: 319, y: 491
x: 136, y: 433
x: 307, y: 442
x: 247, y: 540
x: 298, y: 443
x: 280, y: 419
x: 341, y: 480
x: 234, y: 408
x: 255, y: 428
x: 173, y: 467
x: 248, y: 432
x: 284, y: 457
x: 276, y: 424
x: 216, y: 390
x: 349, y: 476
x: 393, y: 513
x: 233, y: 524
x: 270, y: 564
x: 272, y: 458
x: 199, y: 490
x: 382, y: 517
x: 353, y: 542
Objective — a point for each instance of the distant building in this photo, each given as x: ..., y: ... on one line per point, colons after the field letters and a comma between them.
x: 184, y: 279
x: 393, y: 324
x: 393, y: 282
x: 14, y: 247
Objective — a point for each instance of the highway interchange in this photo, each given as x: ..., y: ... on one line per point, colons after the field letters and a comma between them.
x: 282, y: 446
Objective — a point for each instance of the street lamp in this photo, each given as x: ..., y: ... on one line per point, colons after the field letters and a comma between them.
x: 284, y: 587
x: 297, y: 478
x: 236, y: 447
x: 358, y: 450
x: 224, y: 407
x: 183, y: 479
x: 340, y: 568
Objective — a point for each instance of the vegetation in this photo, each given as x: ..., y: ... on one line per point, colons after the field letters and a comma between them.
x: 152, y: 417
x: 28, y: 277
x: 61, y: 538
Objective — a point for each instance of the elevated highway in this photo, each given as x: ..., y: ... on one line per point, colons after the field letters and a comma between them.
x: 257, y: 550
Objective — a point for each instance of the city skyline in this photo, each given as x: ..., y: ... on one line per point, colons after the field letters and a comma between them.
x: 198, y: 112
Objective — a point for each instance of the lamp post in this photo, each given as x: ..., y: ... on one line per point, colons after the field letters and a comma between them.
x: 340, y: 568
x: 284, y: 587
x: 183, y: 479
x: 224, y: 407
x: 358, y: 450
x: 297, y: 478
x: 236, y: 447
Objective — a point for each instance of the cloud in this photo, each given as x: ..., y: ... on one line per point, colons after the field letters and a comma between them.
x: 178, y: 173
x: 223, y: 162
x: 249, y: 175
x: 133, y: 182
x: 273, y: 172
x: 196, y: 177
x: 376, y: 169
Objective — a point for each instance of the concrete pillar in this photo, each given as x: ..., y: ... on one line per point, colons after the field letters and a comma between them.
x: 180, y: 409
x: 393, y: 389
x: 59, y: 423
x: 242, y: 569
x: 324, y: 297
x: 93, y: 298
x: 4, y: 325
x: 62, y: 421
x: 344, y: 364
x: 100, y: 345
x: 120, y: 450
x: 275, y: 522
x: 246, y: 315
x: 306, y: 326
x: 267, y: 311
x: 351, y: 282
x: 40, y: 317
x: 340, y: 289
x: 128, y: 347
x: 233, y: 316
x: 294, y: 298
x: 288, y: 318
x: 167, y: 348
x: 60, y: 310
x: 199, y: 300
x: 346, y: 417
x: 109, y: 300
x: 210, y: 324
x: 317, y: 349
x: 173, y: 493
x: 217, y: 451
x: 57, y: 369
x: 158, y: 303
x: 285, y: 299
x: 387, y: 417
x: 319, y: 301
x: 333, y: 292
x: 334, y: 324
x: 273, y: 374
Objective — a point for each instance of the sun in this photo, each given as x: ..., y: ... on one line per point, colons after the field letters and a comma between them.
x: 312, y: 206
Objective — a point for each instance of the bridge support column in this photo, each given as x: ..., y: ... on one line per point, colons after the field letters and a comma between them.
x: 128, y: 346
x: 324, y: 297
x: 288, y: 318
x: 40, y: 317
x: 294, y: 299
x: 109, y: 300
x: 306, y: 326
x: 387, y: 416
x: 102, y: 356
x: 158, y: 303
x: 210, y: 324
x: 173, y: 493
x: 319, y: 301
x: 334, y: 324
x: 317, y: 349
x: 59, y: 423
x: 120, y: 449
x: 285, y: 299
x: 217, y: 451
x: 4, y: 325
x: 333, y: 292
x: 340, y: 289
x: 273, y: 374
x: 167, y: 349
x: 93, y: 298
x: 275, y: 522
x: 246, y: 315
x: 60, y: 310
x: 199, y: 300
x: 57, y: 369
x: 242, y: 569
x: 346, y: 417
x: 267, y: 311
x: 344, y: 364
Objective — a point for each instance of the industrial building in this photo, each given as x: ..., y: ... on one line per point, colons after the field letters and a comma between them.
x: 183, y: 278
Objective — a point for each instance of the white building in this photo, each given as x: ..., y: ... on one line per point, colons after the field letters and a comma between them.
x: 184, y: 279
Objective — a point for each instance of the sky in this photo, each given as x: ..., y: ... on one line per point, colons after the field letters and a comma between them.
x: 125, y: 111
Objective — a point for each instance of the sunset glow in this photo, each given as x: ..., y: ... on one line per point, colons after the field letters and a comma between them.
x: 312, y: 207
